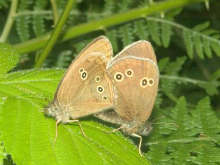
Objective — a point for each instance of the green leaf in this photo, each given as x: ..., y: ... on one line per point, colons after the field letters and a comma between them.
x: 210, y: 87
x: 126, y: 34
x: 202, y: 26
x: 163, y: 63
x: 187, y: 36
x: 216, y: 75
x: 154, y: 29
x: 171, y: 69
x: 166, y: 34
x: 8, y: 57
x: 112, y: 36
x: 141, y: 29
x: 198, y: 46
x: 2, y: 153
x: 28, y: 135
x: 193, y: 133
x: 216, y: 48
x: 207, y: 47
x: 205, y: 118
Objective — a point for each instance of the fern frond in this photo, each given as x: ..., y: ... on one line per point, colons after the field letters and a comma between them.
x: 23, y: 22
x: 4, y: 3
x: 211, y: 87
x: 154, y: 29
x: 163, y: 63
x: 172, y: 69
x: 157, y: 154
x: 200, y: 38
x: 196, y: 134
x: 64, y: 58
x: 166, y: 31
x: 183, y: 120
x: 124, y: 5
x: 109, y: 7
x: 112, y: 36
x: 206, y: 119
x: 38, y: 20
x: 141, y: 29
x: 126, y: 34
x: 188, y: 42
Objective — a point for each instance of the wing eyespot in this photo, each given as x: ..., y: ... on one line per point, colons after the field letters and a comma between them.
x: 84, y: 75
x: 119, y: 77
x: 151, y: 82
x: 129, y: 73
x: 144, y: 82
x: 104, y: 98
x: 97, y: 78
x: 81, y: 70
x: 100, y: 89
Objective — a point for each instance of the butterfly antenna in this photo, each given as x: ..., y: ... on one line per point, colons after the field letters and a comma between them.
x: 157, y: 118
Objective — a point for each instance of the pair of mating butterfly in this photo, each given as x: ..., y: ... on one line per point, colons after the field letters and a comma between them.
x: 120, y: 90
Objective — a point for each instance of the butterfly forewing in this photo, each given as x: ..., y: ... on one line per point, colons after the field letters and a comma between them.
x: 135, y: 83
x: 142, y: 49
x: 87, y: 88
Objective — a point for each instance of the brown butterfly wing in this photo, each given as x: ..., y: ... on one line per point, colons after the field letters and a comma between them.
x: 79, y: 93
x: 101, y: 45
x: 140, y: 48
x: 134, y: 100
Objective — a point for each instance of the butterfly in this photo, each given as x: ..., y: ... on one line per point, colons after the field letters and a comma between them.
x: 85, y: 88
x: 135, y: 77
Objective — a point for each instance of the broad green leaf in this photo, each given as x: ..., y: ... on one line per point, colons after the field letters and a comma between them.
x: 8, y: 57
x: 28, y: 135
x: 2, y: 153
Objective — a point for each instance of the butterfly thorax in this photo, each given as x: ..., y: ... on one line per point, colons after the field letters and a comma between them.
x: 143, y: 129
x: 58, y: 111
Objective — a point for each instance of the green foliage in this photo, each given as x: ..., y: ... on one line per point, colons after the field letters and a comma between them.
x: 188, y: 138
x: 186, y: 40
x: 8, y: 57
x: 28, y: 135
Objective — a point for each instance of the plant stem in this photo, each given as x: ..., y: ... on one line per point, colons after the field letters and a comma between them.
x: 38, y: 43
x: 55, y: 11
x: 55, y: 34
x: 9, y: 21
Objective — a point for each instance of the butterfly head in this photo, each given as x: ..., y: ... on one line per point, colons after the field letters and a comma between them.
x: 61, y: 113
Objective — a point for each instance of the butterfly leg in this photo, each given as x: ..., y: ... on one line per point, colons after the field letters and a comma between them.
x: 139, y: 146
x: 114, y: 130
x: 57, y: 122
x: 80, y: 126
